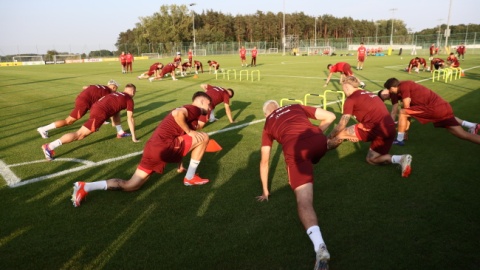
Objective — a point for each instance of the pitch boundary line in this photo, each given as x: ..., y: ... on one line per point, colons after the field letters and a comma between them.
x: 14, y: 181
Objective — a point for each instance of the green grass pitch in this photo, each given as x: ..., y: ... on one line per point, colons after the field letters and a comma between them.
x: 370, y: 217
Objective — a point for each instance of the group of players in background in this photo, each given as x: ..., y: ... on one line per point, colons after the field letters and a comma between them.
x: 303, y: 143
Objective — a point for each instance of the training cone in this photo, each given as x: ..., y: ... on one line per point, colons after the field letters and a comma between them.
x: 195, y: 76
x: 462, y: 74
x: 213, y: 146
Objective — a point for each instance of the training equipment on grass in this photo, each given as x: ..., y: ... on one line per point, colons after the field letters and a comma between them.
x: 340, y: 95
x: 290, y: 100
x: 213, y: 146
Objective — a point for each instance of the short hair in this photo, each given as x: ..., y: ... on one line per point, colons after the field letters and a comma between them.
x: 352, y: 80
x: 361, y: 43
x: 231, y: 91
x: 392, y: 82
x: 201, y: 94
x: 131, y: 85
x: 379, y: 94
x: 209, y: 61
x: 269, y: 103
x: 328, y: 66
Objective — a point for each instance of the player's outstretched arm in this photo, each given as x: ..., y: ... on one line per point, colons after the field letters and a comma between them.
x: 264, y: 167
x: 131, y: 125
x: 228, y: 112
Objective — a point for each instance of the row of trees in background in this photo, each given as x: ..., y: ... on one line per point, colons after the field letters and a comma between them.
x: 173, y: 23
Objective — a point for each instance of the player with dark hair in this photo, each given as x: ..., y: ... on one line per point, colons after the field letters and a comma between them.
x: 422, y: 62
x: 243, y: 55
x: 253, y: 63
x: 342, y: 67
x: 452, y: 61
x: 108, y: 106
x: 173, y: 139
x: 153, y: 70
x: 432, y: 51
x: 413, y: 64
x: 461, y: 49
x: 123, y: 62
x: 167, y: 69
x: 213, y: 65
x: 83, y: 103
x: 436, y: 63
x: 129, y: 60
x: 374, y: 125
x: 425, y: 106
x: 361, y: 56
x: 218, y: 95
x: 303, y: 145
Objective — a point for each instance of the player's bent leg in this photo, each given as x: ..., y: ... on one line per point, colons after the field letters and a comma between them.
x: 136, y: 182
x: 375, y: 158
x: 348, y: 134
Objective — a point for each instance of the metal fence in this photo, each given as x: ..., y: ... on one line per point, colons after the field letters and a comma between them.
x: 217, y: 48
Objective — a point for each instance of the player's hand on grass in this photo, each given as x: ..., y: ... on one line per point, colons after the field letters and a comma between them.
x: 325, y: 85
x: 263, y: 197
x: 135, y: 140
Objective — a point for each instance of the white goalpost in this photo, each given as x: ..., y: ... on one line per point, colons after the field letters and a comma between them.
x: 29, y: 59
x: 322, y: 50
x: 67, y: 58
x: 200, y: 52
x: 272, y: 50
x: 152, y: 55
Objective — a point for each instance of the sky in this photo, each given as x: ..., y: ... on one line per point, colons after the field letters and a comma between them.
x: 35, y: 26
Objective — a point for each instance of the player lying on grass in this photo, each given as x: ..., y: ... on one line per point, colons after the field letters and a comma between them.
x: 425, y: 106
x: 108, y: 106
x: 374, y: 125
x: 83, y: 103
x: 173, y: 139
x: 303, y: 145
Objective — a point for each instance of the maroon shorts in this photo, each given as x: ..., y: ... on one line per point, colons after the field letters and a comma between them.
x: 124, y: 64
x: 441, y: 115
x: 381, y: 138
x: 156, y: 156
x: 243, y: 57
x: 361, y: 58
x: 301, y: 155
x: 96, y: 120
x: 81, y: 108
x: 347, y: 70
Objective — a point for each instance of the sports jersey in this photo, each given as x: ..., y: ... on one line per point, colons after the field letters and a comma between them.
x: 419, y: 95
x: 169, y: 68
x: 361, y: 51
x: 123, y: 58
x: 92, y: 94
x: 368, y: 109
x: 218, y: 95
x: 254, y: 53
x: 243, y: 53
x: 454, y: 60
x: 342, y: 67
x: 129, y: 58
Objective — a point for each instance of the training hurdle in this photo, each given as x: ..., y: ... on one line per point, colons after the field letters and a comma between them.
x: 234, y: 72
x: 446, y: 73
x: 255, y: 72
x: 242, y: 72
x: 223, y: 74
x: 291, y: 100
x: 458, y: 72
x: 324, y: 98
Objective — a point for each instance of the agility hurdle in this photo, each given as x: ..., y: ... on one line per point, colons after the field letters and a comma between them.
x: 234, y: 72
x: 290, y: 100
x: 223, y: 74
x: 324, y: 98
x: 446, y: 73
x: 242, y: 72
x: 458, y: 72
x: 255, y: 72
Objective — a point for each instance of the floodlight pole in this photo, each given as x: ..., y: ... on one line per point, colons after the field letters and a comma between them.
x: 193, y: 27
x: 447, y: 31
x: 391, y: 35
x: 284, y: 39
x: 315, y: 32
x: 376, y: 33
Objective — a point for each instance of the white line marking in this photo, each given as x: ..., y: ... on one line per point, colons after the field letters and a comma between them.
x: 14, y: 181
x: 8, y: 175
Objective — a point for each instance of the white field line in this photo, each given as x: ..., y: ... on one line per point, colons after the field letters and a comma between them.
x: 14, y: 181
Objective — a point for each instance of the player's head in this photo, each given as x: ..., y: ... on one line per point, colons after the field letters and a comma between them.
x: 201, y: 100
x: 384, y: 94
x: 269, y: 106
x: 390, y: 83
x: 351, y: 80
x: 209, y: 61
x: 361, y: 43
x: 328, y: 66
x: 130, y: 89
x: 112, y: 84
x: 230, y: 92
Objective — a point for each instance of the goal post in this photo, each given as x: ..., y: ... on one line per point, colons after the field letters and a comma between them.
x: 272, y: 50
x: 152, y: 55
x: 322, y: 50
x: 67, y: 58
x: 200, y: 52
x: 29, y: 59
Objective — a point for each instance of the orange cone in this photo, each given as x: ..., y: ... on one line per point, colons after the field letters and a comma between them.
x: 195, y: 76
x: 462, y: 74
x: 213, y: 146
